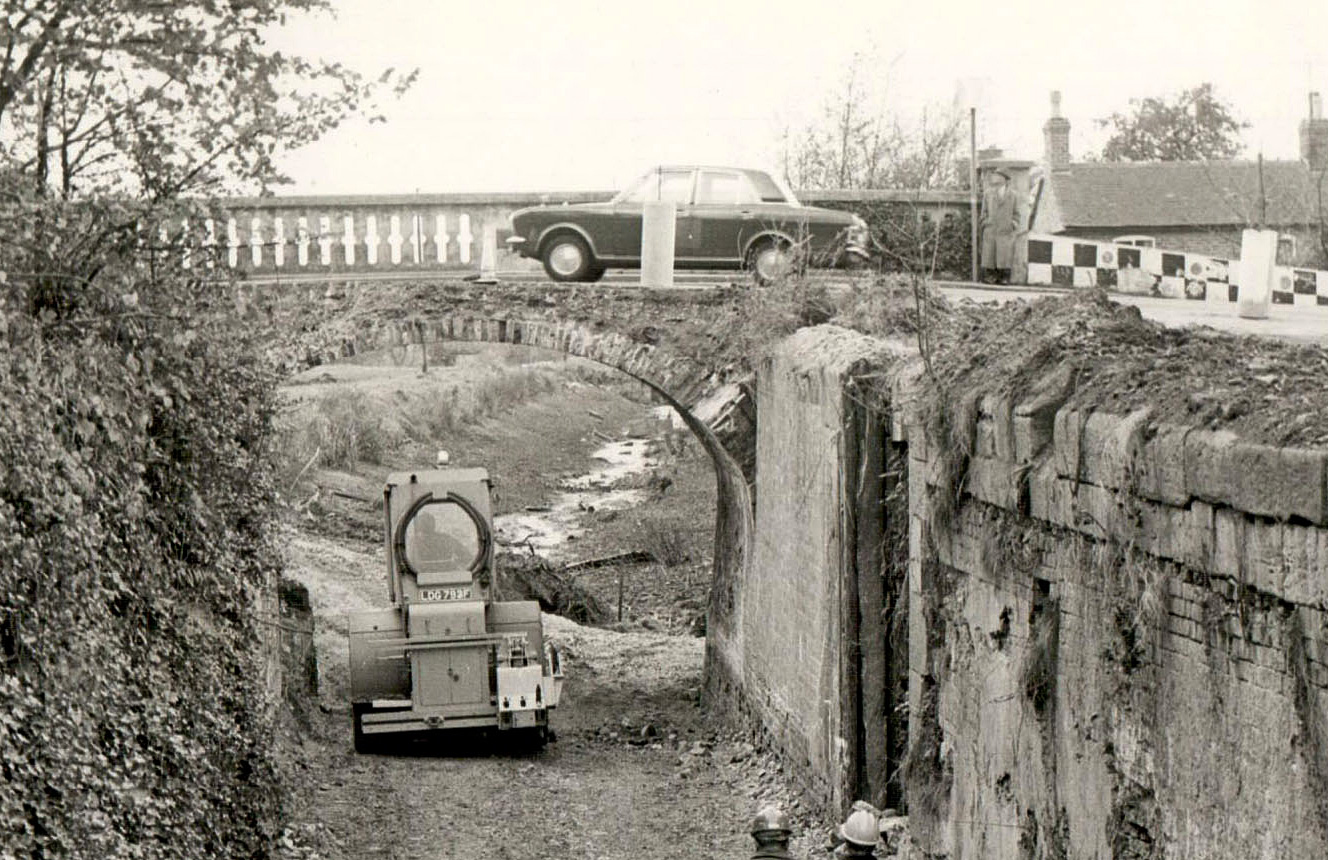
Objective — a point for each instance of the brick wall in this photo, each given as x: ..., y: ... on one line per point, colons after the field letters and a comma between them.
x: 1118, y: 641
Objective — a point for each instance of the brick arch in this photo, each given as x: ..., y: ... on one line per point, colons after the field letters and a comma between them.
x: 677, y: 378
x: 680, y: 378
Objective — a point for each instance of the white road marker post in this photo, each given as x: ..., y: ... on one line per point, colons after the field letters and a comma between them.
x: 659, y: 224
x: 489, y: 255
x: 1258, y: 254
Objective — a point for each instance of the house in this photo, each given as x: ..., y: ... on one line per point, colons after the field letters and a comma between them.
x: 1199, y: 207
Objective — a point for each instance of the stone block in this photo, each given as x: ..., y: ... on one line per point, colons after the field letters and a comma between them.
x: 1000, y: 411
x: 1159, y: 470
x: 984, y: 438
x: 1041, y: 491
x: 1094, y: 511
x: 961, y: 549
x: 1162, y: 530
x: 1209, y: 471
x: 1107, y: 447
x: 1197, y: 536
x: 1301, y: 562
x: 1280, y: 482
x: 1228, y: 539
x: 1066, y: 438
x: 1262, y: 556
x: 1034, y: 415
x: 994, y: 482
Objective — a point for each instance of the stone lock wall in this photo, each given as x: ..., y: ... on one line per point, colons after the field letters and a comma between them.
x: 1118, y: 644
x: 1119, y: 647
x: 788, y: 659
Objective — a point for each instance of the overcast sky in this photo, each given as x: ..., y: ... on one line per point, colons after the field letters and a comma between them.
x: 578, y: 94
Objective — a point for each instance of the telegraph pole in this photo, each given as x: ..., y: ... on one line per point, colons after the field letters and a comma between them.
x: 973, y: 190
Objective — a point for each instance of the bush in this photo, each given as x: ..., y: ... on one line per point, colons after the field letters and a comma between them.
x: 136, y: 513
x: 906, y: 238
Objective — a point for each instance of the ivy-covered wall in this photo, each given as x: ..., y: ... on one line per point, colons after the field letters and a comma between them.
x: 136, y: 503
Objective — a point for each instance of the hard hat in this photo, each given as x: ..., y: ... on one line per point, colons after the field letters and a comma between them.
x: 771, y: 818
x: 860, y: 829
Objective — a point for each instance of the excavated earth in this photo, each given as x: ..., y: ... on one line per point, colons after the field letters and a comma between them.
x: 1264, y: 390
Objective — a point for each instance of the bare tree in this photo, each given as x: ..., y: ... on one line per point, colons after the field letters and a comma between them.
x: 858, y: 141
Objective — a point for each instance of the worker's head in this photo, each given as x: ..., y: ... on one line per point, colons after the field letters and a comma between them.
x: 861, y: 829
x: 771, y: 825
x: 998, y: 178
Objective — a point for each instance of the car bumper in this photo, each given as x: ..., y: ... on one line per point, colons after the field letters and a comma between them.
x: 520, y: 246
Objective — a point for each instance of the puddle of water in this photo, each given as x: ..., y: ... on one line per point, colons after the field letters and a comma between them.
x: 547, y: 532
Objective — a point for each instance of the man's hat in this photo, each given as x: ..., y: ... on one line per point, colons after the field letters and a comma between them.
x: 1000, y: 171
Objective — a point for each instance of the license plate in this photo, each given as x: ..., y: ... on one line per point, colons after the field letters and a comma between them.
x: 459, y: 592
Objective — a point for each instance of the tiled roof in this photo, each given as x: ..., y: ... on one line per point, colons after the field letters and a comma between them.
x: 1183, y: 193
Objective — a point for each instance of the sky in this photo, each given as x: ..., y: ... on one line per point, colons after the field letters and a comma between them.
x: 534, y: 95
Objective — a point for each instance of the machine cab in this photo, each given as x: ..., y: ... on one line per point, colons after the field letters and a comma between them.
x: 441, y: 544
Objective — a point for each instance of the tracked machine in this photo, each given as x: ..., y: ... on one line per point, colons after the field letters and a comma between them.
x: 446, y: 655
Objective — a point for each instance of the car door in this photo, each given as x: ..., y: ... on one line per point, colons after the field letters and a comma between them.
x: 726, y: 211
x: 621, y: 238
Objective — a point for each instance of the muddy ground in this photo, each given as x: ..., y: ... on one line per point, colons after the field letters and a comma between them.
x: 637, y: 769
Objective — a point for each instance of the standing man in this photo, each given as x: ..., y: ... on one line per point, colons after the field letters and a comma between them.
x: 1000, y: 223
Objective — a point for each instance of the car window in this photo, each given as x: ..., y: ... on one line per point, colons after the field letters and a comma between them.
x: 766, y: 187
x: 719, y: 188
x: 672, y: 185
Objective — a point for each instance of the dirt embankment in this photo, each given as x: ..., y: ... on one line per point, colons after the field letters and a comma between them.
x: 637, y: 769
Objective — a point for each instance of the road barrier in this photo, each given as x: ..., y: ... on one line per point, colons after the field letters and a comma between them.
x: 1068, y: 261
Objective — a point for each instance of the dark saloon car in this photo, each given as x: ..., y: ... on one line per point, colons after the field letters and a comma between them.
x: 728, y: 218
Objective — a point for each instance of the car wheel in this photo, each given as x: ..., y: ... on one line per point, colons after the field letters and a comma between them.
x: 769, y: 261
x: 595, y: 274
x: 567, y: 257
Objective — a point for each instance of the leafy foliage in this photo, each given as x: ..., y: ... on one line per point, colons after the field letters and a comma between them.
x: 1194, y: 126
x: 135, y: 537
x: 158, y: 99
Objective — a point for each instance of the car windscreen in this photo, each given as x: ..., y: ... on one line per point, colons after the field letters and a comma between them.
x: 670, y: 185
x: 442, y: 536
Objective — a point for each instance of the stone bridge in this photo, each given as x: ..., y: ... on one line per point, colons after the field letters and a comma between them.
x: 683, y: 344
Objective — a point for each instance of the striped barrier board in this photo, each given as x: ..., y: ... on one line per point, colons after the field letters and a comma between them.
x: 1066, y: 261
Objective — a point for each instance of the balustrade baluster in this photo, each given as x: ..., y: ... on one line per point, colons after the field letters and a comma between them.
x: 464, y: 238
x: 232, y: 243
x: 348, y: 238
x: 440, y: 236
x: 278, y: 241
x: 256, y: 240
x: 302, y: 240
x: 394, y: 238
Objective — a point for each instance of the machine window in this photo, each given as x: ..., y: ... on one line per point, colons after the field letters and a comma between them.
x: 442, y: 536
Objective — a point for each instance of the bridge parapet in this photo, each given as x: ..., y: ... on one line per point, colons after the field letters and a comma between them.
x: 313, y: 235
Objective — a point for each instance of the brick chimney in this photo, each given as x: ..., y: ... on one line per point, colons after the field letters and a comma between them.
x: 1056, y: 135
x: 1314, y: 136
